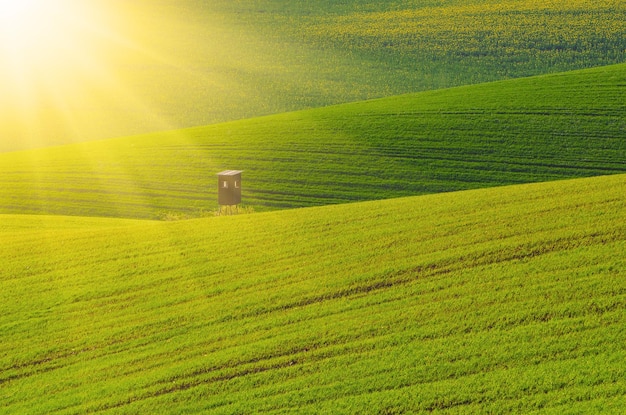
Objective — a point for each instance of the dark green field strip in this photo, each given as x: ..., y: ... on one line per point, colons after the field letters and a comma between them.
x: 504, y: 300
x: 527, y: 130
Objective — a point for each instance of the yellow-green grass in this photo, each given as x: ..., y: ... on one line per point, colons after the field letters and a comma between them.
x: 509, y: 37
x: 535, y: 129
x: 502, y: 300
x: 207, y: 62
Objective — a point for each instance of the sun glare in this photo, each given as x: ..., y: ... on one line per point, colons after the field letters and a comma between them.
x: 56, y: 56
x: 39, y: 37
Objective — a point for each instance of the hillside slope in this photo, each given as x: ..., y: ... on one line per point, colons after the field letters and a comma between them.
x: 528, y: 130
x: 505, y: 300
x: 170, y: 65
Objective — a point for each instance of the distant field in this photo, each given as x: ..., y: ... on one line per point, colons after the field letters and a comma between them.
x: 197, y: 62
x: 464, y: 42
x: 505, y: 300
x: 528, y: 130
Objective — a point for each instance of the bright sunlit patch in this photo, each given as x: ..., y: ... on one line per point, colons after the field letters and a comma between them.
x: 40, y: 38
x: 47, y: 49
x: 57, y: 60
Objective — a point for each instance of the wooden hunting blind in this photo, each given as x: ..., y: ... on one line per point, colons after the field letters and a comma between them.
x: 229, y: 187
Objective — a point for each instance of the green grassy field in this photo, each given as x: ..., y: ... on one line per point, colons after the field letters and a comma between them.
x: 459, y: 242
x: 198, y: 62
x: 527, y: 130
x: 503, y: 300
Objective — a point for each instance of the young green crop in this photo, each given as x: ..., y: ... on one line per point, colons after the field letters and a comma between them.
x: 504, y: 300
x: 527, y: 130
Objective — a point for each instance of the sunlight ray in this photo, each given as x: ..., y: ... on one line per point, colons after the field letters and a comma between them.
x: 60, y: 66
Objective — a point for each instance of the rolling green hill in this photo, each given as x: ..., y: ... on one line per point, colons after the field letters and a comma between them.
x: 502, y: 300
x: 196, y: 62
x: 534, y: 129
x: 490, y: 279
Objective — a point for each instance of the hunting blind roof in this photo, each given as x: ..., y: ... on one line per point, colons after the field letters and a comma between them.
x: 230, y: 172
